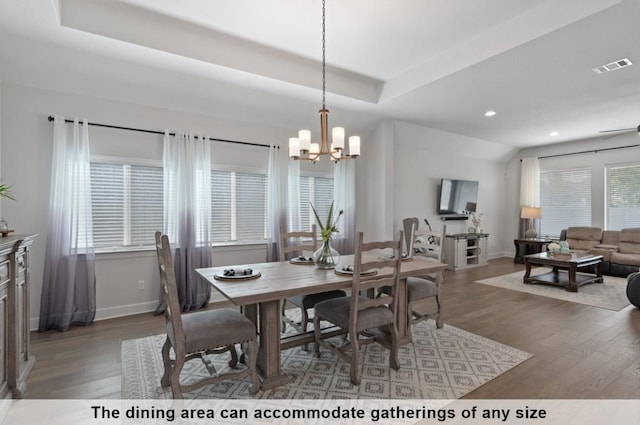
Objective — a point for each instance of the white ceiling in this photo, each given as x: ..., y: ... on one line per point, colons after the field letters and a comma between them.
x: 437, y: 63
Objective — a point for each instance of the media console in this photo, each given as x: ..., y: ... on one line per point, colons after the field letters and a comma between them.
x: 466, y: 250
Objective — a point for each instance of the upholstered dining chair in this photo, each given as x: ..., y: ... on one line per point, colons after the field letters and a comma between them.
x: 356, y: 313
x: 294, y: 242
x: 205, y: 332
x: 427, y: 243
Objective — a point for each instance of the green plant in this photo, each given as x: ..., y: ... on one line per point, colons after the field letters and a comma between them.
x: 330, y: 227
x: 6, y: 192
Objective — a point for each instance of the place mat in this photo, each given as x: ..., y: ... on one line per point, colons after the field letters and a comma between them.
x: 391, y: 257
x: 304, y: 261
x: 342, y: 272
x: 253, y: 275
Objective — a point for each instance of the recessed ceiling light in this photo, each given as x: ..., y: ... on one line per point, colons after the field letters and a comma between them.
x: 490, y: 113
x: 554, y: 134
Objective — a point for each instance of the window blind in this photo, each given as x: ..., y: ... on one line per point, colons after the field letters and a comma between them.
x: 238, y: 206
x: 127, y: 204
x: 565, y: 199
x: 623, y: 196
x: 319, y: 191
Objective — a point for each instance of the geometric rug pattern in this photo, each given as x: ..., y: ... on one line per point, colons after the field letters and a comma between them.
x: 610, y: 295
x: 442, y: 363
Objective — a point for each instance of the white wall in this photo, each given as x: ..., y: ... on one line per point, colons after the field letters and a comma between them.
x: 422, y: 156
x: 374, y: 175
x: 26, y: 164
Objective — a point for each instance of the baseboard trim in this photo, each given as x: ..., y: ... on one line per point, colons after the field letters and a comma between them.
x: 128, y: 310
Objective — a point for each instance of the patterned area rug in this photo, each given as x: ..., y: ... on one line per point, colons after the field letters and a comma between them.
x: 442, y: 363
x: 610, y: 295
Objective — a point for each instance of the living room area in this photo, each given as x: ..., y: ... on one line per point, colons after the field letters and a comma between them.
x: 535, y: 96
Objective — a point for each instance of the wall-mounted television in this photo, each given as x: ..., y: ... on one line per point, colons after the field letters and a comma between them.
x: 457, y: 196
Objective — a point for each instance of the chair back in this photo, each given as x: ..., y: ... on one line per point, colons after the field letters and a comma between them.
x: 410, y: 226
x: 172, y: 309
x: 290, y: 242
x: 367, y: 258
x: 429, y: 243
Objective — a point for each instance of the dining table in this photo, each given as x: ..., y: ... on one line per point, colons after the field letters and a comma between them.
x: 260, y: 293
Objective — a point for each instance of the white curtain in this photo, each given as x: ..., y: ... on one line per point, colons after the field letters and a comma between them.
x: 529, y: 191
x: 69, y: 286
x: 530, y: 182
x: 187, y: 214
x: 276, y: 208
x: 344, y: 194
x: 294, y: 197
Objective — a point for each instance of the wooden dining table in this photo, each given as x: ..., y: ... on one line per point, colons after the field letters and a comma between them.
x: 260, y: 300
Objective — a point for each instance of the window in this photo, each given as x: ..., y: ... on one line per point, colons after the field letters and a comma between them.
x: 565, y: 198
x: 238, y: 206
x: 127, y: 204
x: 319, y: 192
x: 622, y: 196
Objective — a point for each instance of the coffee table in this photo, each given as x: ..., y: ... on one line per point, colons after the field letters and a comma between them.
x: 564, y: 269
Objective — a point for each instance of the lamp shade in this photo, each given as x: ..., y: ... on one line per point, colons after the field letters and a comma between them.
x: 354, y: 145
x: 304, y: 140
x: 531, y: 212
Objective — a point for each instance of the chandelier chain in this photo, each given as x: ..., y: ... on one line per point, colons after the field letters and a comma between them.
x: 301, y: 147
x: 324, y: 78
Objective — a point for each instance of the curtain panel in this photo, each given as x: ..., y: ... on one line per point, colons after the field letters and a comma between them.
x: 344, y: 193
x: 69, y: 285
x: 293, y: 196
x: 529, y: 191
x: 187, y: 214
x: 530, y: 182
x: 277, y: 197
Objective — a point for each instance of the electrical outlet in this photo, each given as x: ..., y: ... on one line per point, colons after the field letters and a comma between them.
x: 141, y: 285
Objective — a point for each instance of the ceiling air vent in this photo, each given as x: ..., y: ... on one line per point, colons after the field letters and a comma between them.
x: 613, y: 66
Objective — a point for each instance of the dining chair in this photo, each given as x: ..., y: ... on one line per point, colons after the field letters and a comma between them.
x: 409, y: 224
x: 427, y: 243
x: 299, y: 243
x: 366, y: 320
x: 201, y: 333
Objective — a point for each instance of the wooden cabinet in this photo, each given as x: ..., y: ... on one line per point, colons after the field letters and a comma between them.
x: 466, y: 250
x: 16, y: 360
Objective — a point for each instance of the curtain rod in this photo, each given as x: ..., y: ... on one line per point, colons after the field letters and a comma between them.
x: 589, y: 151
x: 142, y: 130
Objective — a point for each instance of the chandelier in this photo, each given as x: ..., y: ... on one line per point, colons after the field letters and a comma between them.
x: 301, y: 147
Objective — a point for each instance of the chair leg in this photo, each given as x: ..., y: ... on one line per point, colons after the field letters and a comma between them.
x: 394, y: 361
x: 304, y: 320
x: 166, y: 377
x: 283, y: 304
x: 175, y: 377
x: 318, y: 335
x: 233, y: 363
x: 439, y: 323
x: 354, y: 369
x: 253, y: 357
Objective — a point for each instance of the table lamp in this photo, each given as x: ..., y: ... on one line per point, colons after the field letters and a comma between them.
x: 531, y: 213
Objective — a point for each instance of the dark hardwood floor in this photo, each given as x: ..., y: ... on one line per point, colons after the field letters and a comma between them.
x: 580, y: 352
